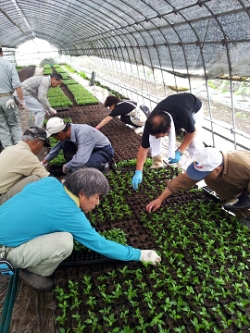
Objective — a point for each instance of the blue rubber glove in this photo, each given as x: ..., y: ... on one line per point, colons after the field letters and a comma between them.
x: 137, y: 179
x: 177, y: 157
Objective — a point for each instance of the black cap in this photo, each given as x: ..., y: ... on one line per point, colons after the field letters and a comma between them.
x: 39, y: 133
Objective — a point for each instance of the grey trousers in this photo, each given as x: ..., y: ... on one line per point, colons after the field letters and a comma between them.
x: 41, y: 255
x: 10, y: 125
x: 36, y: 109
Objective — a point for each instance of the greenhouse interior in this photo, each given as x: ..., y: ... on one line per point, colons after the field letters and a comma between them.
x: 142, y: 51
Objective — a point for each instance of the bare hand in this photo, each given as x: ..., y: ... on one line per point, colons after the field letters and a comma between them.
x: 22, y: 104
x: 153, y: 205
x: 64, y: 169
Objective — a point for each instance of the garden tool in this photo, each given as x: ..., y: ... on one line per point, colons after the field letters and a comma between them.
x: 157, y: 161
x: 6, y: 268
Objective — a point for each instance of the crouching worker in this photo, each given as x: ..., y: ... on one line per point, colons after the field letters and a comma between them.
x: 226, y: 173
x: 19, y: 164
x: 59, y: 214
x: 131, y: 113
x: 82, y: 145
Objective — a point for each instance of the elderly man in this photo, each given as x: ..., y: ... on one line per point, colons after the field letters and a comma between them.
x: 10, y: 126
x: 59, y: 214
x: 179, y: 111
x: 82, y: 145
x: 226, y: 173
x: 19, y: 164
x: 35, y: 91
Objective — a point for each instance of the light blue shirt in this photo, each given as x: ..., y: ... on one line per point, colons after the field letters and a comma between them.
x: 9, y: 79
x: 45, y: 207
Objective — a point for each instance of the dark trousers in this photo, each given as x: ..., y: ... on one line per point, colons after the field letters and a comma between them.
x: 98, y: 156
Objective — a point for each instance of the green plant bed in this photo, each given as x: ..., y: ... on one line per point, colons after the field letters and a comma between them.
x: 81, y: 95
x: 58, y: 99
x: 201, y: 285
x: 69, y: 81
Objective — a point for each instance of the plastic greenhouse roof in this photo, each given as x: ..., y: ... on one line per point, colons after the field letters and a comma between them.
x: 185, y: 37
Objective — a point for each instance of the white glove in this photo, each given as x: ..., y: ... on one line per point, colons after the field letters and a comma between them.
x: 22, y: 104
x: 150, y: 256
x: 52, y: 111
x: 10, y: 104
x: 44, y: 165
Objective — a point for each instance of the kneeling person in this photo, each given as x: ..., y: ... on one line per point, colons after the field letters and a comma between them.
x: 226, y: 173
x: 59, y: 214
x: 82, y: 145
x: 19, y: 164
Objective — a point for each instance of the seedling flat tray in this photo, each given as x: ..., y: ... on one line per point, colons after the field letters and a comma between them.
x: 211, y: 193
x: 65, y: 108
x: 84, y: 257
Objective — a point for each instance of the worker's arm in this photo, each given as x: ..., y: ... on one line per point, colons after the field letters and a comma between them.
x: 42, y: 93
x: 104, y: 122
x: 22, y: 104
x: 188, y: 138
x: 181, y: 182
x: 141, y: 157
x: 19, y: 91
x: 156, y: 204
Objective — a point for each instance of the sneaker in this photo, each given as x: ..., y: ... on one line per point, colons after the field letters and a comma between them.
x: 113, y: 165
x: 36, y: 281
x: 104, y: 167
x: 243, y: 202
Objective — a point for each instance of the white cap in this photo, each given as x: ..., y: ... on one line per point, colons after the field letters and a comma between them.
x: 54, y: 125
x: 206, y: 160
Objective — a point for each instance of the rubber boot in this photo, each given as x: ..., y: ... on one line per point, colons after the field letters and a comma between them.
x: 157, y: 162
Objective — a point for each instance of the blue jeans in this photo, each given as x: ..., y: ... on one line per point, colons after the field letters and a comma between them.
x: 98, y: 156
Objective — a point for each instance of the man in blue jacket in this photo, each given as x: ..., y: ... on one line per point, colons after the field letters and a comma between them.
x: 38, y: 226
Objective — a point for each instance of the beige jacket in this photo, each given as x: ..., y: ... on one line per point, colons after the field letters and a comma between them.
x: 234, y: 178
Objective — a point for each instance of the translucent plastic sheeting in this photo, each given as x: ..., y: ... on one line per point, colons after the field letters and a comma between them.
x: 186, y: 37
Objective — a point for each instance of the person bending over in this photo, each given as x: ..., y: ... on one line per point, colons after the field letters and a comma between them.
x: 82, y: 145
x: 130, y: 112
x: 178, y: 111
x: 39, y: 224
x: 226, y: 173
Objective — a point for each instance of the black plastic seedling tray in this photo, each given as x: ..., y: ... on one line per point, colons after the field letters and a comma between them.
x: 65, y: 108
x: 84, y: 257
x: 212, y: 194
